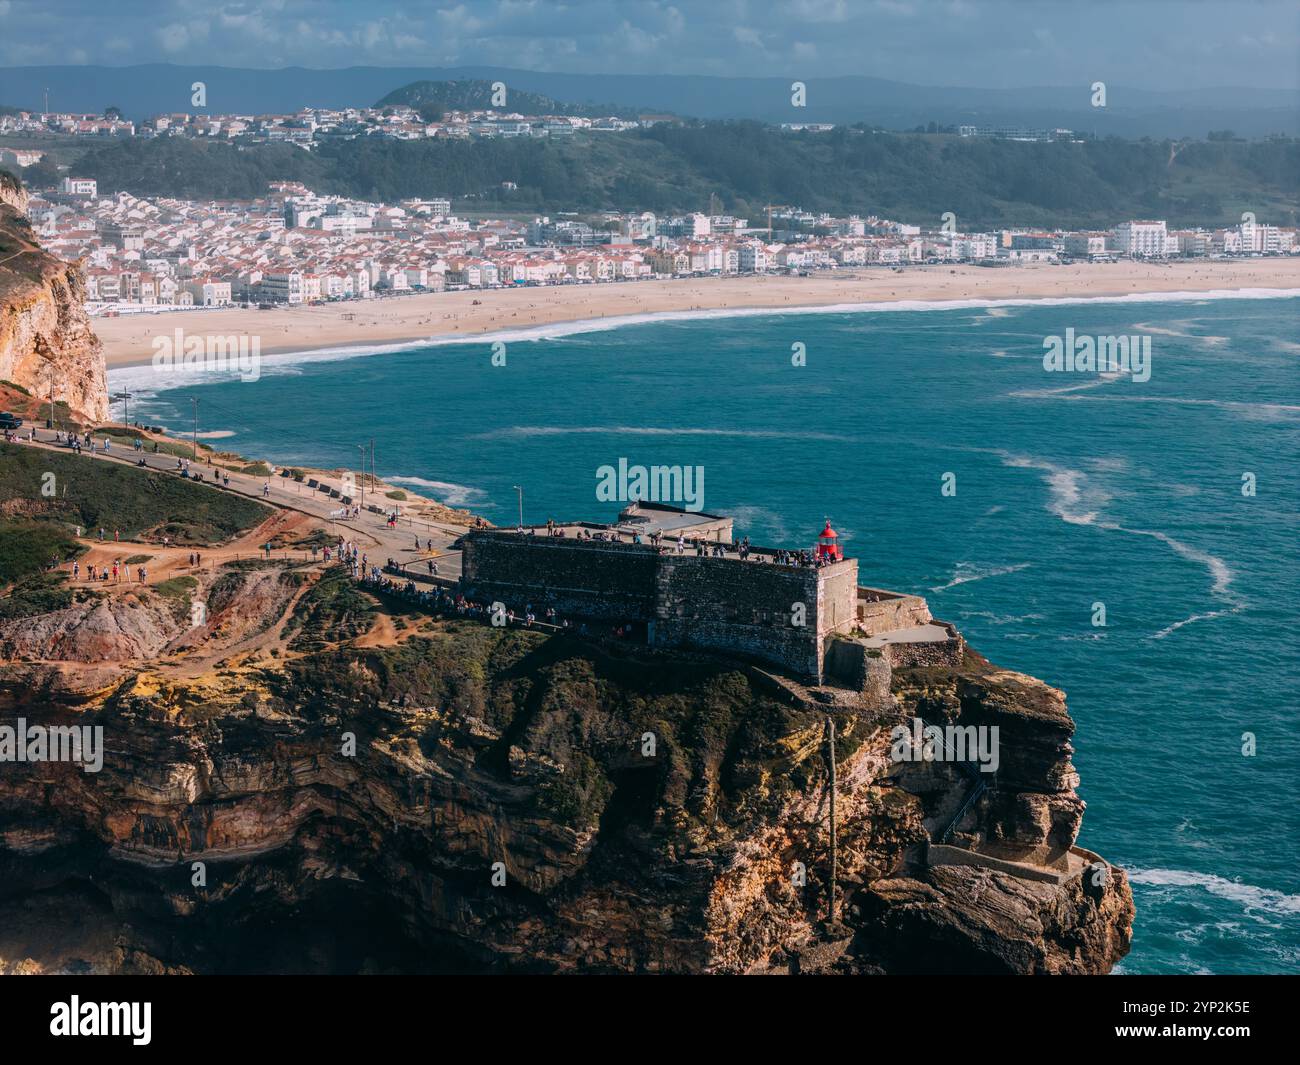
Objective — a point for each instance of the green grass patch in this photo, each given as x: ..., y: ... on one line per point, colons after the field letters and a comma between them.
x: 126, y: 438
x: 27, y: 547
x: 397, y: 494
x: 317, y: 538
x: 40, y: 594
x: 176, y: 587
x: 139, y: 504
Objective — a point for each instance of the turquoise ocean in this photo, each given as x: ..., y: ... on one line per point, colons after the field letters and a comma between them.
x: 1072, y: 489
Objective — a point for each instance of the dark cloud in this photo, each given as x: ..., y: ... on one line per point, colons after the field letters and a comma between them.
x: 1158, y: 45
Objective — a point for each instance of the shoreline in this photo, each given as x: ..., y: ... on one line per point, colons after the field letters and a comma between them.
x: 389, y: 324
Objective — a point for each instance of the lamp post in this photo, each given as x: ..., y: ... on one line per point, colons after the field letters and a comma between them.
x: 125, y: 397
x: 362, y: 449
x: 194, y: 444
x: 520, y: 490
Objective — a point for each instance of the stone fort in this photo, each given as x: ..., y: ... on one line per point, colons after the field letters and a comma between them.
x: 805, y: 617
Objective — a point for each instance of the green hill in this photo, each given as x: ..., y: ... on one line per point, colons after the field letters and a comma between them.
x: 138, y: 503
x: 434, y: 98
x: 912, y: 177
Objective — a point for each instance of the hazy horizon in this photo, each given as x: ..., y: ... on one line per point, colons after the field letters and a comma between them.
x: 1153, y: 46
x: 1223, y: 87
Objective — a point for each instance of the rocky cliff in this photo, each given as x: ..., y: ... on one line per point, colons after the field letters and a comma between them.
x: 43, y: 323
x: 368, y: 787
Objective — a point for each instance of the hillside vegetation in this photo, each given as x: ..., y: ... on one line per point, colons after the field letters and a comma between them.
x: 137, y: 503
x: 911, y: 177
x: 434, y: 98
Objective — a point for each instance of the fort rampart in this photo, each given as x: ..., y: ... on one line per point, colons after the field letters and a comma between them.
x: 779, y: 614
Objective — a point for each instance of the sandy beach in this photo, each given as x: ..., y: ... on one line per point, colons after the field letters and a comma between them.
x: 127, y: 340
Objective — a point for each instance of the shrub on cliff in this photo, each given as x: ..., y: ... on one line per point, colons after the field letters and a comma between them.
x: 27, y: 547
x: 41, y: 594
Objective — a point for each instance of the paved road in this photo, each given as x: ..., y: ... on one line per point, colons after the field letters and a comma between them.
x: 397, y: 543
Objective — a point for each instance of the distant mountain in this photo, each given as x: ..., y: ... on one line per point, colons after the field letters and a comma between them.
x: 147, y: 89
x: 477, y: 95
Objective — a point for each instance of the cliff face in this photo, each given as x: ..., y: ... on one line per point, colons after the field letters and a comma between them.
x: 478, y: 797
x: 43, y: 322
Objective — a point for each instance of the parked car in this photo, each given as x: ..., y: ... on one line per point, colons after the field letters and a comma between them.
x: 9, y: 421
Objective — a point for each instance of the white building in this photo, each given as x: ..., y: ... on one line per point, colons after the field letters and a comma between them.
x: 208, y: 292
x: 974, y: 246
x: 753, y: 258
x: 1084, y: 245
x: 1142, y: 239
x: 80, y: 186
x: 282, y: 287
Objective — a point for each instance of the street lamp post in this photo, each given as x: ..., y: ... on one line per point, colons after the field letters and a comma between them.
x: 194, y: 446
x: 520, y: 490
x: 362, y: 449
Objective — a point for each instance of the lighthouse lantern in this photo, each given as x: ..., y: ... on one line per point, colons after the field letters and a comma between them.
x: 828, y: 546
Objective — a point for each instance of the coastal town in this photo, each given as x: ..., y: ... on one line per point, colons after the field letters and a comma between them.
x: 312, y: 125
x: 293, y: 246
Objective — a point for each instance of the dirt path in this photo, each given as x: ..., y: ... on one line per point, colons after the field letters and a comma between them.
x: 165, y: 563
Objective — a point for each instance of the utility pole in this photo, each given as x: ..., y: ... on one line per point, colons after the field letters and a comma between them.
x: 125, y: 397
x: 520, y: 490
x: 362, y: 449
x: 372, y: 463
x: 830, y: 754
x: 49, y: 423
x: 195, y: 442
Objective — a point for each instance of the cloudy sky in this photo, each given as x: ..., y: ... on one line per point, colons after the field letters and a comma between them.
x: 1158, y: 44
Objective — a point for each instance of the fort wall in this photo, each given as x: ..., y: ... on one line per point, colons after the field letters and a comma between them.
x: 779, y: 614
x: 582, y: 578
x: 881, y: 611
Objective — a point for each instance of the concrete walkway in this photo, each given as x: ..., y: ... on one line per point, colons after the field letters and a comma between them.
x: 916, y: 634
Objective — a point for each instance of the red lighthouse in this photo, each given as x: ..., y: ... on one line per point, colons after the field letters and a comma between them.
x: 828, y: 546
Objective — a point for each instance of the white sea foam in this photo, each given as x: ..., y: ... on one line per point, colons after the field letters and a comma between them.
x: 967, y: 572
x: 1250, y: 897
x: 521, y: 431
x: 1248, y: 411
x: 1071, y: 495
x: 1001, y: 619
x: 453, y: 495
x: 1168, y: 331
x: 147, y: 379
x: 1189, y: 620
x: 1106, y: 378
x: 1070, y: 492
